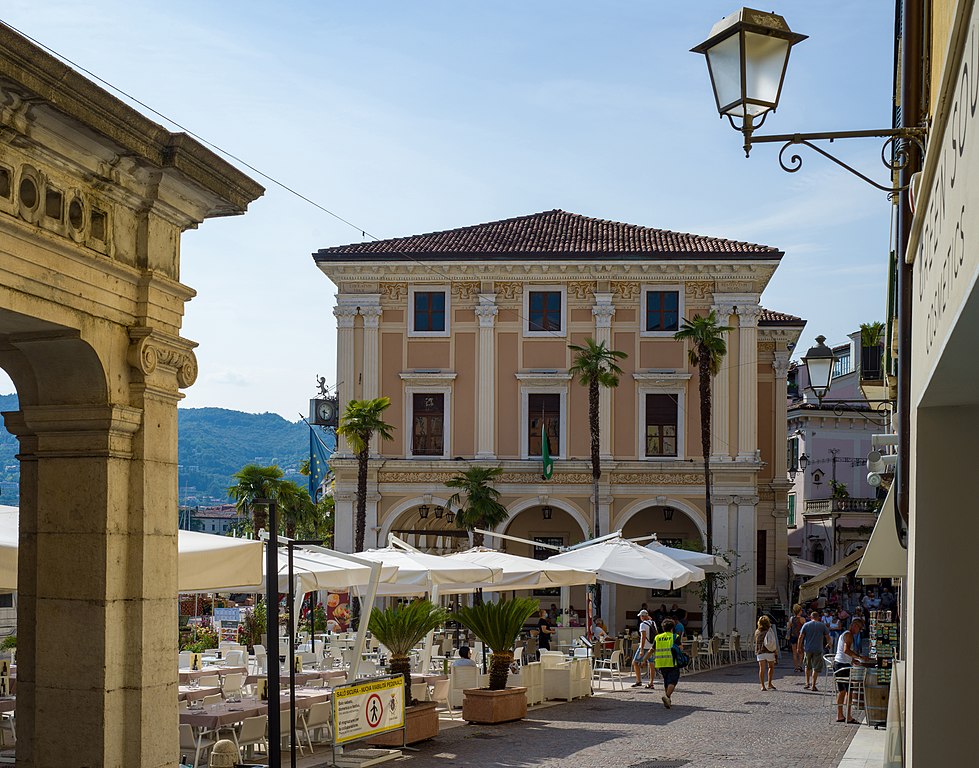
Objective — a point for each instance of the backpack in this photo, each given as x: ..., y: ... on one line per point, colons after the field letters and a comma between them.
x: 680, y: 658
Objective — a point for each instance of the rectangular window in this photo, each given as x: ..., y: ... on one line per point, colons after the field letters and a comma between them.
x: 429, y: 311
x: 427, y: 424
x: 661, y: 425
x: 7, y: 600
x: 543, y: 409
x: 662, y: 310
x: 843, y: 363
x: 545, y: 311
x: 791, y: 520
x: 761, y: 559
x: 54, y: 203
x: 792, y: 454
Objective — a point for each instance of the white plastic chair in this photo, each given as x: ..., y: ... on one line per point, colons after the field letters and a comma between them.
x: 209, y: 681
x: 461, y: 678
x: 253, y: 732
x: 258, y: 664
x: 183, y: 659
x: 231, y: 685
x: 198, y: 743
x: 440, y: 694
x: 284, y: 732
x: 612, y: 666
x: 234, y: 658
x: 318, y: 719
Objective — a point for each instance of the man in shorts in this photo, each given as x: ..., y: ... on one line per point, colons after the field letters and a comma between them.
x: 814, y: 640
x: 644, y: 650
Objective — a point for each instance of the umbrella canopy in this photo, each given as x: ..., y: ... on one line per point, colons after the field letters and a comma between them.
x: 205, y: 562
x: 418, y: 572
x: 706, y: 562
x: 620, y: 561
x: 518, y: 572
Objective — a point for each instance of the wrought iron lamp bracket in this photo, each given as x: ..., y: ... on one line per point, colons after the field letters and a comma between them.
x: 897, y: 139
x: 881, y: 408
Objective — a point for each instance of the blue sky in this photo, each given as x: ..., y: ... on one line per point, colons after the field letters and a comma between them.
x: 412, y: 117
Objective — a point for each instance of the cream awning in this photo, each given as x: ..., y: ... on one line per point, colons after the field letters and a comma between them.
x: 884, y: 557
x: 807, y: 568
x: 810, y: 589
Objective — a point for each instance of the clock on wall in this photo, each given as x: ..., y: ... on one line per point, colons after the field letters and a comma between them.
x: 324, y: 412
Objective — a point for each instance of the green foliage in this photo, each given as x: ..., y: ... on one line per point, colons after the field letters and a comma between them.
x: 362, y: 419
x: 839, y: 490
x: 708, y: 340
x: 399, y: 628
x: 476, y: 500
x: 871, y: 334
x: 201, y: 639
x: 498, y: 625
x: 594, y: 362
x: 253, y: 625
x: 10, y: 641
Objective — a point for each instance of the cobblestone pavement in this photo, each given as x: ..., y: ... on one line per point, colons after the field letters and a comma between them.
x: 719, y: 719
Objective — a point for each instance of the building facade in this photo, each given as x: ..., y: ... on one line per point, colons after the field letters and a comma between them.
x: 467, y: 331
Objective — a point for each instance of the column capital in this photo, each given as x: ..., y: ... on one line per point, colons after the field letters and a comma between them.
x: 371, y: 315
x: 781, y: 363
x: 603, y: 313
x: 345, y: 315
x: 486, y: 310
x: 749, y: 315
x: 151, y: 349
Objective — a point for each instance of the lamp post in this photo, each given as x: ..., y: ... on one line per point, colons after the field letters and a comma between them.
x: 272, y: 627
x: 818, y: 362
x: 747, y: 56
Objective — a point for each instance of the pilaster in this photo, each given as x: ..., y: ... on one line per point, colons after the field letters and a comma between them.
x: 781, y: 365
x: 603, y: 312
x: 486, y: 312
x: 345, y: 313
x: 370, y: 310
x: 746, y: 589
x: 748, y: 382
x: 720, y: 433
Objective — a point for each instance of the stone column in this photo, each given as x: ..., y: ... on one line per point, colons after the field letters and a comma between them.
x: 486, y: 312
x: 781, y: 366
x: 343, y: 518
x: 725, y: 524
x: 746, y: 588
x: 345, y: 312
x: 720, y: 437
x: 370, y: 310
x: 748, y: 382
x: 603, y: 312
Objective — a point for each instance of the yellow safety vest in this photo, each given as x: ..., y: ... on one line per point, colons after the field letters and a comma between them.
x: 664, y: 650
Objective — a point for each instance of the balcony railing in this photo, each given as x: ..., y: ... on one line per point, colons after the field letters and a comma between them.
x: 826, y: 506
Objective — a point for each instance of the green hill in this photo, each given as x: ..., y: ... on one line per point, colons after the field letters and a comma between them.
x: 213, y: 444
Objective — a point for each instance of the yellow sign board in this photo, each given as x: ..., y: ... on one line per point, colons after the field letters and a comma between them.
x: 367, y: 709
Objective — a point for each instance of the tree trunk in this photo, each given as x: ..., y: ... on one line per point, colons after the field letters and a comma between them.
x: 260, y: 518
x: 401, y: 665
x: 594, y: 427
x: 705, y: 414
x: 477, y: 539
x: 499, y: 670
x: 361, y: 521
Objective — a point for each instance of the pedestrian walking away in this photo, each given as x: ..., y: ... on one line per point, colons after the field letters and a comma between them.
x: 795, y: 626
x: 644, y: 651
x: 814, y: 641
x: 766, y: 651
x: 665, y: 660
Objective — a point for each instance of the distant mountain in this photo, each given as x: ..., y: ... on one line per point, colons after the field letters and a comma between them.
x: 213, y: 444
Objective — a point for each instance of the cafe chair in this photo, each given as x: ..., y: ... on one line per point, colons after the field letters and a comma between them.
x: 231, y: 685
x: 8, y: 722
x: 199, y: 743
x: 235, y: 658
x: 252, y: 733
x: 258, y: 664
x: 612, y: 666
x: 284, y: 732
x: 318, y: 719
x: 214, y: 698
x: 183, y: 659
x: 461, y: 678
x: 440, y: 694
x: 209, y: 681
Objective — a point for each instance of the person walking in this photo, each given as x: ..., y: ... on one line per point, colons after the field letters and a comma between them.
x: 665, y: 662
x: 795, y: 626
x: 644, y: 652
x: 813, y: 641
x: 766, y: 651
x: 846, y: 656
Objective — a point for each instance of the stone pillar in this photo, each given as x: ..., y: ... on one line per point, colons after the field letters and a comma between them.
x: 781, y: 366
x: 725, y: 525
x: 345, y: 312
x: 603, y: 312
x: 486, y: 312
x: 370, y: 310
x: 343, y: 518
x: 746, y: 588
x: 748, y: 382
x: 720, y: 437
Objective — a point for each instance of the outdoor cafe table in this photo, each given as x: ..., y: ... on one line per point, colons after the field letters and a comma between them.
x: 186, y: 693
x: 186, y: 674
x: 427, y: 679
x: 301, y: 678
x: 227, y: 713
x: 8, y: 704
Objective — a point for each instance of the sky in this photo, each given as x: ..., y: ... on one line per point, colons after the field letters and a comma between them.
x: 412, y: 117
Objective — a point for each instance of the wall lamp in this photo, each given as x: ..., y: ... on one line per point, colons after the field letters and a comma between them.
x: 439, y: 511
x: 423, y: 511
x: 547, y: 511
x: 819, y: 362
x: 668, y: 514
x: 747, y: 55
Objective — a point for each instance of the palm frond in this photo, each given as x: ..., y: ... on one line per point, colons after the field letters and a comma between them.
x: 498, y: 624
x: 400, y: 628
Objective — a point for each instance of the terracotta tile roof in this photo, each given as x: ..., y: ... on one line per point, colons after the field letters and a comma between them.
x: 552, y: 235
x: 771, y: 317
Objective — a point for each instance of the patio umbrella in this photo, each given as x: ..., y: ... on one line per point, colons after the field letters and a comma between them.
x: 706, y: 562
x: 520, y: 572
x: 619, y: 561
x: 420, y: 572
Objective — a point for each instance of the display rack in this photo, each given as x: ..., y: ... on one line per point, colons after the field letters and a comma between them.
x: 884, y: 637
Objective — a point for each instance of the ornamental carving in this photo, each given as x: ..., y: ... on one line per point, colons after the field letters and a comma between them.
x: 581, y: 289
x: 739, y: 286
x: 394, y: 291
x: 657, y: 478
x: 766, y: 346
x: 359, y: 287
x: 150, y: 350
x: 625, y: 290
x: 699, y: 290
x: 465, y: 291
x: 508, y: 289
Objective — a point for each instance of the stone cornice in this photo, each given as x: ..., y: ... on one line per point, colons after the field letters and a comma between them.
x: 661, y: 378
x: 428, y: 377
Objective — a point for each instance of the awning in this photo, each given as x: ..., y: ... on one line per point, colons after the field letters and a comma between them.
x: 807, y: 568
x: 884, y: 557
x: 811, y: 588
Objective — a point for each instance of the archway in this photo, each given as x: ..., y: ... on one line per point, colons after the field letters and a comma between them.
x: 426, y: 523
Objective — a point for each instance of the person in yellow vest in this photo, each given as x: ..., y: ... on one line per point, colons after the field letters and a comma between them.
x: 665, y: 662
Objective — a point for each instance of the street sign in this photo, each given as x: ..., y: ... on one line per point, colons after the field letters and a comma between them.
x: 366, y: 709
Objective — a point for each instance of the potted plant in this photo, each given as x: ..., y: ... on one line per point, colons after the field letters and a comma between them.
x: 399, y: 629
x: 497, y: 625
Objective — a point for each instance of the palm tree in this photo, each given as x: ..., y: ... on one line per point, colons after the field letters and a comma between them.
x: 498, y: 625
x: 707, y: 350
x: 360, y: 422
x: 400, y: 628
x: 296, y: 508
x: 595, y: 366
x: 481, y: 507
x: 255, y: 482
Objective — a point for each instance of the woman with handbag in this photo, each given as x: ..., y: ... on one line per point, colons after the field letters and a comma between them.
x: 766, y: 651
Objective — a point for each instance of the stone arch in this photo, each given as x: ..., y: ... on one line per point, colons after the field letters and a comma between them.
x: 573, y: 510
x: 394, y: 514
x: 695, y: 515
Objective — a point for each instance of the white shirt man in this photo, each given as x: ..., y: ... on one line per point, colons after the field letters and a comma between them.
x: 644, y: 650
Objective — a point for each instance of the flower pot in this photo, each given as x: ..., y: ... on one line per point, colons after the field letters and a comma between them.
x: 482, y: 705
x: 422, y: 722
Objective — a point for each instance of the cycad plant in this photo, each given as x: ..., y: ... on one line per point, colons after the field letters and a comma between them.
x: 400, y: 628
x: 498, y: 625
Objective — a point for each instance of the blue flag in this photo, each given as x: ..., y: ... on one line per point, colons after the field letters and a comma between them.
x: 319, y: 468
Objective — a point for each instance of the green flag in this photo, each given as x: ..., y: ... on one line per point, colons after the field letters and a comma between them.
x: 545, y: 453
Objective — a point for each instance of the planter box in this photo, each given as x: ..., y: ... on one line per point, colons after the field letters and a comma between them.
x: 422, y: 721
x: 482, y: 705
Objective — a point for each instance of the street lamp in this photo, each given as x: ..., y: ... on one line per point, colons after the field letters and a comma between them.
x: 819, y: 367
x: 803, y: 462
x: 747, y: 55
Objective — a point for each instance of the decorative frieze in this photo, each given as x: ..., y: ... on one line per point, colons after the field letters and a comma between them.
x: 699, y: 290
x: 422, y: 475
x: 509, y: 289
x: 625, y: 290
x: 465, y: 291
x: 581, y: 289
x: 657, y: 478
x: 393, y: 291
x: 766, y: 346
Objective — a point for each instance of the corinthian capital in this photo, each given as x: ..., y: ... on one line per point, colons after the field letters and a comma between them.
x: 371, y: 315
x: 345, y: 315
x: 748, y: 315
x: 486, y: 310
x: 781, y: 363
